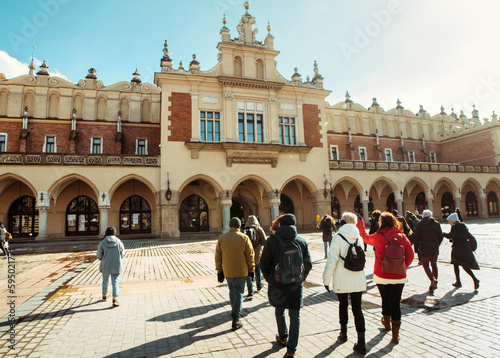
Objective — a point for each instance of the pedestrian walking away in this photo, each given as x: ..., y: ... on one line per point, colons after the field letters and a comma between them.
x: 286, y: 296
x: 327, y: 226
x: 427, y: 238
x: 345, y: 282
x: 3, y: 240
x: 110, y: 251
x: 389, y: 239
x: 258, y: 241
x: 373, y: 224
x: 461, y: 250
x: 234, y: 261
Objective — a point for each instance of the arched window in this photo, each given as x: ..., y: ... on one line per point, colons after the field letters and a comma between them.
x: 78, y: 105
x: 4, y: 102
x: 146, y: 111
x: 23, y: 217
x: 260, y: 69
x: 82, y: 217
x: 124, y: 107
x: 390, y: 203
x: 492, y: 203
x: 447, y: 204
x: 135, y: 216
x: 286, y: 205
x: 194, y: 214
x: 336, y: 208
x: 101, y: 108
x: 471, y: 204
x: 53, y: 106
x: 238, y: 66
x: 420, y: 202
x: 29, y: 101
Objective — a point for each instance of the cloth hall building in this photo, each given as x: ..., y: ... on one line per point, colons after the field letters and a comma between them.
x: 195, y: 148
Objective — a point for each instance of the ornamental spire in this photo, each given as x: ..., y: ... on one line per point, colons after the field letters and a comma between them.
x: 32, y: 66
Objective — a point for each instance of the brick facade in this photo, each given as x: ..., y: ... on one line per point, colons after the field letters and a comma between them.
x: 469, y: 150
x: 312, y: 126
x: 180, y: 117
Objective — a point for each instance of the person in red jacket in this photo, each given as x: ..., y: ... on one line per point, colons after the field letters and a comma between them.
x: 390, y: 286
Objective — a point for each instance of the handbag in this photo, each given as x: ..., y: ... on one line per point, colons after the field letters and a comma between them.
x: 8, y: 236
x: 472, y: 242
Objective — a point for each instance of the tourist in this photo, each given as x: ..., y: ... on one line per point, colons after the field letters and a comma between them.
x: 389, y: 285
x: 345, y: 282
x: 110, y: 251
x: 427, y: 237
x: 234, y: 260
x: 461, y: 250
x: 3, y: 241
x: 327, y: 227
x: 283, y: 296
x: 260, y: 240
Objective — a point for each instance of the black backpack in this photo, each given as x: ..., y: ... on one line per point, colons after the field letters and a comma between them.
x: 290, y: 267
x: 355, y: 259
x: 252, y: 235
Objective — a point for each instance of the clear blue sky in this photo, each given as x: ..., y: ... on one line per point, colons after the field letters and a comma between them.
x: 423, y: 52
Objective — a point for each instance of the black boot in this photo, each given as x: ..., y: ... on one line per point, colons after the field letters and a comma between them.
x: 343, y: 332
x: 360, y: 346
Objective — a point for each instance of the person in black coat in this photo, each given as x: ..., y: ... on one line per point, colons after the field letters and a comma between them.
x: 427, y: 237
x: 285, y: 296
x: 461, y: 250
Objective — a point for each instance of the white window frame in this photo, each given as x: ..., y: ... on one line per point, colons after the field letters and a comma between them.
x: 253, y: 108
x: 137, y: 146
x: 6, y: 137
x: 336, y: 150
x: 291, y: 127
x: 388, y: 151
x: 45, y: 144
x: 214, y: 120
x: 411, y: 156
x: 359, y: 152
x: 432, y: 157
x: 92, y: 145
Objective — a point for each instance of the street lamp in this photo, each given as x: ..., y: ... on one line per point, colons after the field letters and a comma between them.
x: 168, y: 193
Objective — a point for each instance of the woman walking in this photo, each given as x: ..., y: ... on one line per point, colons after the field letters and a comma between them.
x: 110, y: 252
x: 461, y: 250
x: 328, y: 227
x: 390, y: 285
x: 345, y: 282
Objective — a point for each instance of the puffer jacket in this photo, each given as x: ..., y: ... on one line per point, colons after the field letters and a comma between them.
x: 260, y: 235
x: 335, y: 274
x: 461, y: 251
x: 110, y: 251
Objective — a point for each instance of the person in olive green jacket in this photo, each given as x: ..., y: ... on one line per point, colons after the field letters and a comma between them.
x: 234, y: 259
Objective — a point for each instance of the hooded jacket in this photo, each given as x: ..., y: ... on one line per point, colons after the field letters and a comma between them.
x: 461, y: 251
x: 335, y: 274
x: 427, y: 237
x: 260, y: 236
x: 283, y: 296
x: 110, y: 251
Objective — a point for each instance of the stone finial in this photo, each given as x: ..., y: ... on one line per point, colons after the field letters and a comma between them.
x: 347, y: 97
x: 165, y: 51
x: 137, y: 77
x: 398, y: 104
x: 247, y: 6
x: 494, y: 117
x: 224, y: 21
x: 475, y: 113
x: 317, y: 78
x: 442, y: 111
x: 296, y: 77
x: 32, y: 67
x: 43, y: 69
x: 268, y: 28
x: 92, y: 73
x: 181, y: 66
x: 421, y: 110
x: 374, y: 103
x: 194, y: 66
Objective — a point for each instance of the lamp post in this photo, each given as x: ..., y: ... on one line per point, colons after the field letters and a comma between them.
x: 168, y: 193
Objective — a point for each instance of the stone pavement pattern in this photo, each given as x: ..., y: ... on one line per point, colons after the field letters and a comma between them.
x: 172, y: 306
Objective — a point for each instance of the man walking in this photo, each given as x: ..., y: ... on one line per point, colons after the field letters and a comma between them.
x: 234, y: 259
x: 283, y: 295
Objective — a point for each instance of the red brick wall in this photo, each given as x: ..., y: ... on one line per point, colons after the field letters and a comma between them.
x: 13, y: 131
x: 180, y: 117
x: 469, y: 147
x: 312, y: 125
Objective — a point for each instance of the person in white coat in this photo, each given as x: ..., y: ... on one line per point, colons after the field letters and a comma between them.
x: 345, y: 282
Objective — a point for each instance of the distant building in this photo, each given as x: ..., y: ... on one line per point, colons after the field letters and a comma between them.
x: 198, y: 147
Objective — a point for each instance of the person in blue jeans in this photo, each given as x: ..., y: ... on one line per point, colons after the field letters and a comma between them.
x: 234, y: 260
x: 260, y: 240
x: 285, y: 297
x: 110, y: 251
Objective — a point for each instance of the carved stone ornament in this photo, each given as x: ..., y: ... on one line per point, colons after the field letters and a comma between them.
x: 213, y: 100
x: 288, y: 106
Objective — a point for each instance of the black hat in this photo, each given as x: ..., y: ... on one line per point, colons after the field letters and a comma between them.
x: 394, y: 212
x: 287, y: 220
x: 235, y: 222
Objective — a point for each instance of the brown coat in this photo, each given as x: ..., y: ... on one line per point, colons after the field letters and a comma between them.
x: 260, y: 236
x: 234, y: 254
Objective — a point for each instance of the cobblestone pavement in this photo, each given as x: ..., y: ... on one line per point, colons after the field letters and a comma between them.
x: 172, y: 306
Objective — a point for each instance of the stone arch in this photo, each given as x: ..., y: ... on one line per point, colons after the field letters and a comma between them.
x: 217, y: 187
x: 306, y: 181
x: 238, y: 66
x: 78, y: 105
x: 29, y: 101
x: 267, y: 187
x: 8, y: 178
x: 350, y: 180
x: 124, y: 108
x: 474, y: 183
x: 53, y: 108
x: 389, y: 182
x: 102, y: 104
x: 58, y: 186
x: 494, y: 182
x: 445, y: 181
x: 419, y: 181
x: 146, y: 111
x: 259, y: 69
x: 126, y: 178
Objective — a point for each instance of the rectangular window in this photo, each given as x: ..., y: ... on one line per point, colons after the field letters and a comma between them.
x: 3, y: 142
x: 411, y: 157
x: 142, y: 147
x: 50, y: 145
x: 96, y: 146
x: 209, y: 126
x: 287, y: 130
x: 250, y: 122
x: 433, y: 157
x: 362, y: 153
x: 334, y: 152
x: 388, y: 155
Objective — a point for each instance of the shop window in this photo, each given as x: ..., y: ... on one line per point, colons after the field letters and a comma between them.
x: 23, y: 217
x: 82, y: 217
x: 135, y: 216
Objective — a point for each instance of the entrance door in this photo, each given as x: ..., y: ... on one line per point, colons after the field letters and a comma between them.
x: 23, y: 217
x: 82, y: 217
x: 193, y: 214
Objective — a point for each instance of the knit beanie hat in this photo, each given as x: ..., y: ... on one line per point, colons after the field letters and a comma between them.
x: 235, y: 222
x: 287, y: 220
x: 453, y: 217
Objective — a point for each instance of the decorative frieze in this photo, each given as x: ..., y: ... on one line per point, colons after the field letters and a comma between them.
x: 211, y: 100
x: 402, y: 166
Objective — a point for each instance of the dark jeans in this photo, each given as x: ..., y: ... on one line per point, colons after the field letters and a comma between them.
x: 433, y: 275
x: 293, y: 337
x: 359, y: 319
x: 236, y: 289
x: 391, y: 300
x: 258, y: 279
x: 457, y: 272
